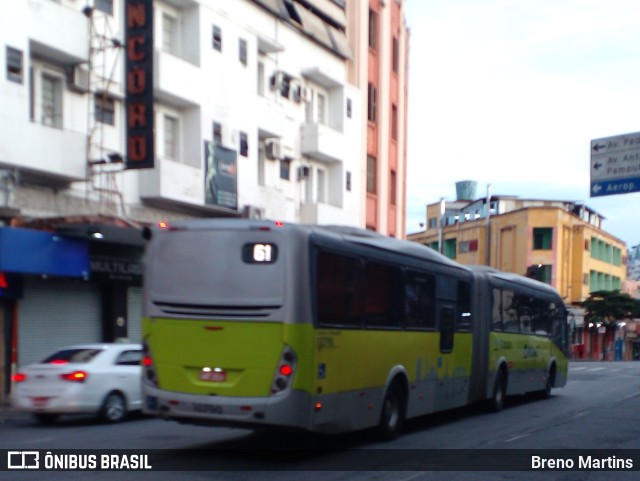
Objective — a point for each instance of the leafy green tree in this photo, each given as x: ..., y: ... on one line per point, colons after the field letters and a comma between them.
x: 608, y: 307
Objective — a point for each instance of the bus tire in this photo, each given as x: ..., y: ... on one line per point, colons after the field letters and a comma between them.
x: 551, y: 379
x: 496, y: 403
x: 394, y: 411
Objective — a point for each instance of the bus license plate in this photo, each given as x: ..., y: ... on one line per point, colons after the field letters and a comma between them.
x: 206, y: 408
x: 213, y: 376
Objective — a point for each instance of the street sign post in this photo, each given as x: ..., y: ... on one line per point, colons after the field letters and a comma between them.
x: 615, y: 165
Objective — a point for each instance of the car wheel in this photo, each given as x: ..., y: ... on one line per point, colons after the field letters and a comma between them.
x: 114, y: 408
x: 46, y: 418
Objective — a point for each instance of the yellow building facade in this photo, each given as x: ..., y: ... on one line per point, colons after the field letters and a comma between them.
x: 558, y: 242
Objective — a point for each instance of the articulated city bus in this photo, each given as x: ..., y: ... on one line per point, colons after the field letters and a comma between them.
x: 332, y: 329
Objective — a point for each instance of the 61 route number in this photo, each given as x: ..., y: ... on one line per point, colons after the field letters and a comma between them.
x: 260, y: 253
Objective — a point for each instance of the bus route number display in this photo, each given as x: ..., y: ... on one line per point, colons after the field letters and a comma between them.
x: 260, y: 253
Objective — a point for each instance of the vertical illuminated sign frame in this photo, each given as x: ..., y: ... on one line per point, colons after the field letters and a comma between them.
x: 138, y: 27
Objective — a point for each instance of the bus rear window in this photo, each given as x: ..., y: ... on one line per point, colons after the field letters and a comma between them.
x: 217, y: 268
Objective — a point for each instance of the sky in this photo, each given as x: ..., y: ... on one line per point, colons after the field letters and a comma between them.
x: 511, y: 92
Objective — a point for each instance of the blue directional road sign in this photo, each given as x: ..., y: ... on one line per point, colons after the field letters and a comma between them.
x: 615, y: 165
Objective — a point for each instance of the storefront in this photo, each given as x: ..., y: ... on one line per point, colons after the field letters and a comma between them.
x: 74, y: 283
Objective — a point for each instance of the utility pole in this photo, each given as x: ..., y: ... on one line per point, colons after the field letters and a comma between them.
x: 487, y: 255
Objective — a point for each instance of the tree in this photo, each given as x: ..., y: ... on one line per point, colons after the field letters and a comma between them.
x: 608, y: 307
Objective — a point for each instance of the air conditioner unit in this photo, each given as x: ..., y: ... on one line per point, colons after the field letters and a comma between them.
x: 273, y: 148
x: 276, y: 80
x: 306, y: 94
x: 303, y: 172
x: 252, y: 212
x: 79, y: 79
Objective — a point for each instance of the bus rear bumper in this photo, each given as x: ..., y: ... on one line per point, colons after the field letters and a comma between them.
x: 289, y: 409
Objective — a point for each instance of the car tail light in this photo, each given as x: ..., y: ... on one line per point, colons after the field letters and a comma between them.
x: 75, y: 376
x: 148, y: 366
x: 19, y: 377
x: 284, y: 372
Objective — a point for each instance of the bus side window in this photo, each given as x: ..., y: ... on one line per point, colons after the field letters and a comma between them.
x: 509, y: 312
x: 382, y: 298
x: 543, y: 313
x: 525, y: 307
x: 339, y: 290
x: 496, y: 309
x: 447, y: 327
x: 464, y: 306
x: 419, y: 301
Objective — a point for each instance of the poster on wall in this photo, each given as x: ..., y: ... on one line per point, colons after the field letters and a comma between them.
x: 221, y: 176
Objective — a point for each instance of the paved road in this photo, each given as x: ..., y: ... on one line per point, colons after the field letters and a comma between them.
x: 599, y: 408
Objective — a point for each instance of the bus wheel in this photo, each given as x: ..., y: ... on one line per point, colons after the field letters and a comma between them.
x: 546, y: 392
x: 496, y: 402
x: 393, y: 413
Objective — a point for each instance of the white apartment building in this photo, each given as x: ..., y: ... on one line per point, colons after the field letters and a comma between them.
x: 264, y: 78
x: 264, y: 83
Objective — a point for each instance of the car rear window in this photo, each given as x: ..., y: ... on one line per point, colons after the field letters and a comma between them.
x: 66, y: 356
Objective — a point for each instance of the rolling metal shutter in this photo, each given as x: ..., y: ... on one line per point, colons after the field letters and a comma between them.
x: 55, y: 313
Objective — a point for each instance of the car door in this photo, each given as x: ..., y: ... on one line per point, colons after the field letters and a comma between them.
x: 128, y: 373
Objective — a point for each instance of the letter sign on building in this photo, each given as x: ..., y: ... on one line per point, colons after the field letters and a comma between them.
x: 138, y: 27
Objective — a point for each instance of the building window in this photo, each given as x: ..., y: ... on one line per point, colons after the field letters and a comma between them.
x: 52, y: 101
x: 171, y: 136
x: 468, y: 246
x: 169, y: 34
x: 321, y: 186
x: 372, y: 102
x: 14, y: 65
x: 432, y: 223
x: 373, y: 29
x: 217, y: 38
x: 105, y: 109
x: 395, y: 54
x: 261, y: 78
x: 450, y: 248
x: 242, y: 51
x: 244, y: 144
x: 321, y: 105
x: 542, y: 238
x: 105, y: 6
x: 392, y: 188
x: 349, y: 108
x: 348, y: 182
x: 217, y: 133
x: 371, y: 174
x: 291, y: 10
x: 285, y: 168
x: 394, y: 122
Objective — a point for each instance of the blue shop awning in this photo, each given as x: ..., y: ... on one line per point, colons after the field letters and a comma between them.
x: 28, y: 251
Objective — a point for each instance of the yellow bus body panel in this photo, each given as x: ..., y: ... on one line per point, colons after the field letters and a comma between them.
x: 361, y: 359
x: 246, y: 352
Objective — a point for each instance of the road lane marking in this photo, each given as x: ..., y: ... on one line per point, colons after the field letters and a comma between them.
x: 519, y: 436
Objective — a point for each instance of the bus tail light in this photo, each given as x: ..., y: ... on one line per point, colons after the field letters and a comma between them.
x: 148, y: 366
x: 284, y: 372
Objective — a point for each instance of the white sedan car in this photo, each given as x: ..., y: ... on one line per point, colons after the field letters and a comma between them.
x: 91, y: 378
